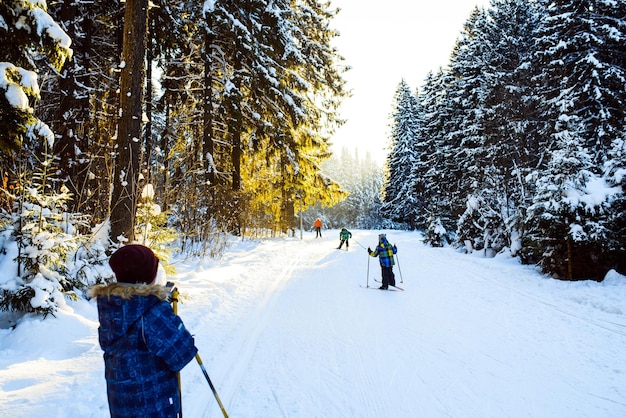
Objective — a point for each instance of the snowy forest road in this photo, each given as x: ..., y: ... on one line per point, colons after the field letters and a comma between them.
x: 288, y: 332
x: 285, y: 329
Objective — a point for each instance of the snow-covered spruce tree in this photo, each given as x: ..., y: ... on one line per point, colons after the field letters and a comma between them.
x: 312, y: 118
x: 493, y: 47
x: 152, y: 228
x: 43, y: 232
x: 26, y: 32
x: 581, y: 53
x: 506, y: 131
x: 454, y: 130
x: 124, y: 191
x: 614, y: 38
x: 367, y: 195
x: 278, y: 97
x: 481, y: 226
x: 362, y: 179
x: 472, y: 143
x: 566, y: 228
x: 615, y: 176
x: 513, y: 129
x: 80, y: 102
x: 437, y: 218
x: 435, y: 234
x: 399, y: 203
x: 177, y: 163
x: 465, y: 130
x: 428, y: 99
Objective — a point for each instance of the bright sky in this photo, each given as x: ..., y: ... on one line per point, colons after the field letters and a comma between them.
x: 383, y: 44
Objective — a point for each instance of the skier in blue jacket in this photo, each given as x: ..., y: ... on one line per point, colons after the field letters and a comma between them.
x: 145, y: 344
x: 385, y: 251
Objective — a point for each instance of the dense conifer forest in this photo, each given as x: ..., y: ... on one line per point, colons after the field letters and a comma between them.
x: 179, y: 123
x: 519, y: 144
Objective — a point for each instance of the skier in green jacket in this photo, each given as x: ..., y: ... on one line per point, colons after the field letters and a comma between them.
x: 344, y: 235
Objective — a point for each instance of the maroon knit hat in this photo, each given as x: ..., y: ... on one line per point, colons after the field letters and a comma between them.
x: 134, y: 263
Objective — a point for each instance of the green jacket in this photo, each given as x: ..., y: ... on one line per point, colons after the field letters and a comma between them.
x: 345, y: 234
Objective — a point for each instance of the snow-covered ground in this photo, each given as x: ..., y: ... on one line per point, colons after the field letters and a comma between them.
x: 285, y: 330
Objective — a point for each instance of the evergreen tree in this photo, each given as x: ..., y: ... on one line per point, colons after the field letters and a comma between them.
x: 513, y: 130
x: 368, y: 199
x: 504, y: 151
x: 362, y: 180
x: 68, y: 98
x: 566, y: 228
x: 613, y: 36
x: 583, y: 73
x: 81, y: 103
x: 291, y: 90
x: 472, y: 163
x: 43, y: 235
x: 615, y: 176
x: 35, y: 214
x: 399, y: 200
x: 26, y: 32
x: 437, y: 218
x: 125, y: 181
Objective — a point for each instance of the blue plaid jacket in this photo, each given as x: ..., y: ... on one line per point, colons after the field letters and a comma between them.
x: 145, y: 344
x: 385, y: 251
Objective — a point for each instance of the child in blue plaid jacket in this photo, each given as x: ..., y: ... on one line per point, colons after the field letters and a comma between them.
x: 145, y: 344
x: 385, y: 251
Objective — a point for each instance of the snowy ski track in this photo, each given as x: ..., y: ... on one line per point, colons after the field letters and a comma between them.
x: 284, y: 330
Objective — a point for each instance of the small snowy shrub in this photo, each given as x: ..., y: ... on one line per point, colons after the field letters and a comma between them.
x: 45, y: 258
x: 436, y: 234
x: 43, y: 246
x: 152, y: 228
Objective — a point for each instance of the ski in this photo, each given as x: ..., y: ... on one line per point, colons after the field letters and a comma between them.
x: 375, y: 288
x: 397, y: 287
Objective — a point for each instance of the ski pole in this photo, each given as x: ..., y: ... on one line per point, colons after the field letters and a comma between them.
x: 198, y: 359
x: 208, y: 379
x: 359, y: 244
x: 399, y: 269
x: 174, y: 297
x: 367, y: 282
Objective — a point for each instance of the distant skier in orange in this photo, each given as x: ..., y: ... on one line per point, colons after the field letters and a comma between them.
x: 318, y: 227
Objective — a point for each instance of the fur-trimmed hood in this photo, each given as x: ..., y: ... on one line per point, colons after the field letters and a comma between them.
x: 121, y: 306
x: 127, y: 291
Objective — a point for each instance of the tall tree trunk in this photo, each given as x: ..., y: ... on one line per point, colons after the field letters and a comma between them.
x: 236, y: 127
x: 165, y: 152
x: 235, y: 130
x: 570, y: 259
x: 124, y: 196
x: 208, y: 143
x: 63, y: 146
x: 73, y: 111
x: 148, y: 133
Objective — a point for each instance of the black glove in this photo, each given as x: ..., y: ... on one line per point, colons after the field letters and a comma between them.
x: 369, y: 250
